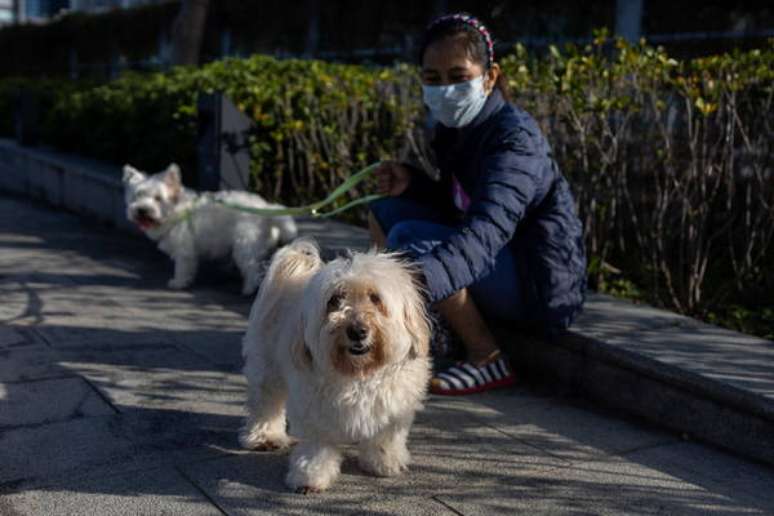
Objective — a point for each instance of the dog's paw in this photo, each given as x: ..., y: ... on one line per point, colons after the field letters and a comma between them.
x: 311, y: 474
x: 264, y: 443
x: 305, y: 490
x: 178, y: 284
x: 383, y: 469
x: 381, y: 464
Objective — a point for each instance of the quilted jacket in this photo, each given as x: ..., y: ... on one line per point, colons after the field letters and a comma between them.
x: 518, y: 198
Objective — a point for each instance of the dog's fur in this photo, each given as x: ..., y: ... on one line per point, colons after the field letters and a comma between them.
x: 341, y: 349
x: 189, y: 226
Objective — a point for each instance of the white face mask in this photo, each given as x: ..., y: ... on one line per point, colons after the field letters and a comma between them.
x: 455, y: 105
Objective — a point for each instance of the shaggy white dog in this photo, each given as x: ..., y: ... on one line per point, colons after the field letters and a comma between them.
x: 341, y: 349
x: 189, y: 226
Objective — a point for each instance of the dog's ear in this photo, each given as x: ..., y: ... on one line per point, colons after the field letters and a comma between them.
x: 418, y: 327
x: 415, y: 318
x: 299, y: 352
x: 172, y: 175
x: 172, y: 180
x: 300, y: 355
x: 132, y: 175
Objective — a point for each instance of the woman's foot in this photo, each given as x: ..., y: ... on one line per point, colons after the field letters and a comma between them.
x: 471, y: 377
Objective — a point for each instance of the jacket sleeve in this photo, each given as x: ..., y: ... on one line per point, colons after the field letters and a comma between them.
x: 507, y: 184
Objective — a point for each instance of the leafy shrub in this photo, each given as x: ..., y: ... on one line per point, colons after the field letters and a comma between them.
x: 671, y: 163
x: 47, y: 92
x: 315, y: 122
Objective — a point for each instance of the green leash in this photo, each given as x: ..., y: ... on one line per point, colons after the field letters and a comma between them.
x: 310, y: 209
x: 314, y: 208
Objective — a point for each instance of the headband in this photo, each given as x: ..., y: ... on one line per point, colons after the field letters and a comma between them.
x: 471, y: 21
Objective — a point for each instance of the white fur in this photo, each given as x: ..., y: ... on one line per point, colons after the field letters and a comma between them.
x: 304, y: 317
x: 190, y: 226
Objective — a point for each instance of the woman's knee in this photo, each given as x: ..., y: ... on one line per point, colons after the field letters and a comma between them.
x: 401, y: 234
x: 418, y: 236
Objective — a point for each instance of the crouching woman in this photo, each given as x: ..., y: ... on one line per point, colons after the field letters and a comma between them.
x: 497, y: 236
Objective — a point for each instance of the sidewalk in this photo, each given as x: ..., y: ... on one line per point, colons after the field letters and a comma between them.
x: 119, y: 396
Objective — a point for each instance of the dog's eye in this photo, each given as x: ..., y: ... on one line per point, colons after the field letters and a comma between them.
x: 157, y: 197
x: 335, y: 302
x: 375, y: 299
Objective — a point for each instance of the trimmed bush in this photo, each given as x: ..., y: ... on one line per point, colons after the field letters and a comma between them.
x: 315, y: 122
x: 46, y: 92
x: 671, y: 163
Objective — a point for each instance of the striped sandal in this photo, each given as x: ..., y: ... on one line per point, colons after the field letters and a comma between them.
x: 465, y: 378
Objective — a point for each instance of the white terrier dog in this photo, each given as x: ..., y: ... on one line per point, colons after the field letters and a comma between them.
x: 189, y: 226
x: 341, y: 349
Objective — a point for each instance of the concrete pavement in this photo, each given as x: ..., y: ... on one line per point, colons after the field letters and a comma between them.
x: 120, y: 396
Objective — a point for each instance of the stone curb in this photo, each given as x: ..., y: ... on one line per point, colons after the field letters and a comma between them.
x: 83, y: 186
x: 670, y: 397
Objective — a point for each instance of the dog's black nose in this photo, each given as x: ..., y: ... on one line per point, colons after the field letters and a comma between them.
x: 357, y: 332
x: 143, y: 212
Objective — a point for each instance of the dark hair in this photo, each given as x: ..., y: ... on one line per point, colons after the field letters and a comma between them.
x: 473, y: 34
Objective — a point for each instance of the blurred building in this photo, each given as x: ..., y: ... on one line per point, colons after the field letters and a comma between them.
x: 137, y: 34
x: 7, y: 12
x: 104, y: 5
x: 38, y: 11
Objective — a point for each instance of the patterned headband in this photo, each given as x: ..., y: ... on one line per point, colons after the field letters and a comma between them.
x: 472, y: 21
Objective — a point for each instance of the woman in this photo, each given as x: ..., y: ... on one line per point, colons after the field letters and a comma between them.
x: 497, y: 236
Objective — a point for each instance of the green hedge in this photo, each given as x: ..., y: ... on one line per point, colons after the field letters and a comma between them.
x: 670, y: 161
x: 47, y: 92
x: 315, y: 122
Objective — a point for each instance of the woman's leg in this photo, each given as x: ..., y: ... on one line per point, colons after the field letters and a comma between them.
x: 377, y: 235
x: 414, y: 228
x: 463, y: 316
x: 498, y: 291
x: 459, y: 310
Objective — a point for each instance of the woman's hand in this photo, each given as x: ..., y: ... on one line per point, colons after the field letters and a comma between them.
x: 392, y: 178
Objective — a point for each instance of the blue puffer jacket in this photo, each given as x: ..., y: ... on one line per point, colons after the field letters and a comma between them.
x: 518, y: 198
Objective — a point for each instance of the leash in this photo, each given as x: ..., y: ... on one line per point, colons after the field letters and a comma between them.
x: 314, y: 209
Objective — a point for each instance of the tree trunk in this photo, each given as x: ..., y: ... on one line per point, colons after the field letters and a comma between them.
x: 628, y: 19
x: 313, y: 30
x: 188, y: 32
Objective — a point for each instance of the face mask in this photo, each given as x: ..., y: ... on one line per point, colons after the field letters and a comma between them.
x: 455, y: 105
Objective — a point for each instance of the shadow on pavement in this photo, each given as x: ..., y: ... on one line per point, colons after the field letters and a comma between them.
x: 118, y: 390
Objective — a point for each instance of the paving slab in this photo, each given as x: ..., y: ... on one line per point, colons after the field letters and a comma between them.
x: 62, y: 447
x: 161, y: 378
x: 29, y: 362
x: 748, y: 482
x: 47, y: 401
x: 10, y: 337
x: 573, y: 431
x: 601, y: 487
x: 158, y: 491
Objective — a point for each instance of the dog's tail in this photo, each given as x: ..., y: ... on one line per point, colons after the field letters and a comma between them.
x: 288, y: 230
x: 297, y: 260
x: 279, y: 293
